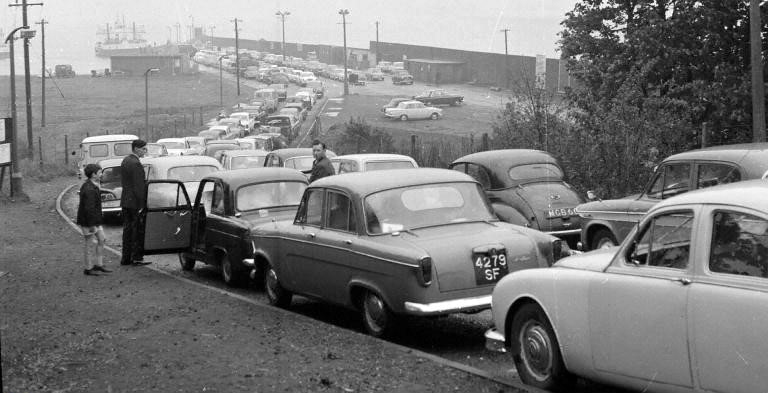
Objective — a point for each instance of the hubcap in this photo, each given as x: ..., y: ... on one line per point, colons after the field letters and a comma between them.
x: 271, y: 284
x: 374, y: 311
x: 226, y: 270
x: 536, y: 350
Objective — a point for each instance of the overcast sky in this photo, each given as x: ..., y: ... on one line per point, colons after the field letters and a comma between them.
x: 461, y: 24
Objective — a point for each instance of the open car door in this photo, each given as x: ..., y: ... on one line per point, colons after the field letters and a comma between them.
x: 168, y: 222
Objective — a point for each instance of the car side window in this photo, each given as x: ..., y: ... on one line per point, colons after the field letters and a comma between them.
x: 340, y: 213
x: 739, y: 244
x: 206, y: 197
x: 672, y: 180
x: 710, y: 174
x: 480, y: 174
x: 217, y: 206
x: 664, y: 241
x: 311, y: 208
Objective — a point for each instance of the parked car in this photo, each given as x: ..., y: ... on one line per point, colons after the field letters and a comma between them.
x: 407, y: 110
x: 402, y: 77
x: 371, y: 162
x: 374, y: 74
x: 64, y: 71
x: 439, y: 97
x: 605, y: 223
x: 679, y: 306
x: 196, y: 145
x: 102, y: 147
x: 296, y: 109
x: 419, y: 242
x: 306, y: 77
x: 246, y: 121
x: 300, y: 159
x: 186, y: 169
x: 234, y: 129
x: 526, y: 187
x: 268, y: 99
x: 111, y: 187
x: 214, y: 133
x: 385, y: 66
x: 288, y: 125
x: 241, y: 159
x: 215, y: 226
x: 268, y: 141
x: 318, y: 87
x: 394, y: 102
x: 156, y: 150
x: 307, y: 97
x: 215, y: 148
x: 174, y: 146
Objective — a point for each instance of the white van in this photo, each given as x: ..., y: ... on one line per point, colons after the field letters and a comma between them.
x: 96, y: 148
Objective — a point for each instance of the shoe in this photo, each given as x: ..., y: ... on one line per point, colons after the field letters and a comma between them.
x: 141, y: 263
x: 101, y: 269
x: 90, y: 272
x: 125, y: 263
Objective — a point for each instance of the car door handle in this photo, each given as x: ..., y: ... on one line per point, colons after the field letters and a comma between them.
x: 178, y: 229
x: 311, y: 235
x: 684, y: 281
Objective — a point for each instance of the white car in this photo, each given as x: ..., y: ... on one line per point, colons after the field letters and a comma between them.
x: 371, y: 162
x: 681, y: 305
x: 407, y: 110
x: 175, y: 146
x: 306, y: 77
x: 245, y: 119
x: 196, y: 145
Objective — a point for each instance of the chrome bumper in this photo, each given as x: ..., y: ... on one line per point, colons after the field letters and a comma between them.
x: 449, y: 306
x: 494, y: 341
x: 565, y: 233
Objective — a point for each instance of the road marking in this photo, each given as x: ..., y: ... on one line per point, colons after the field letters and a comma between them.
x: 437, y: 359
x: 331, y: 114
x: 336, y: 99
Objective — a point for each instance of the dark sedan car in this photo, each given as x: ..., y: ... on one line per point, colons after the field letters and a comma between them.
x: 216, y: 230
x: 607, y: 222
x: 526, y: 187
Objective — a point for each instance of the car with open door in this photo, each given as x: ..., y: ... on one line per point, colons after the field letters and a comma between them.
x: 216, y: 226
x: 421, y: 242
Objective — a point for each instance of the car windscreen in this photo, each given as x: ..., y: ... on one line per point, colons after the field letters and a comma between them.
x: 111, y: 177
x: 381, y: 165
x: 535, y: 171
x: 266, y: 195
x: 243, y: 162
x: 300, y: 163
x: 191, y: 173
x: 154, y: 150
x: 174, y: 145
x: 123, y: 149
x: 426, y: 205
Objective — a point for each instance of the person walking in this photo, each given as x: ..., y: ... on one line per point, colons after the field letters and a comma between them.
x: 90, y: 220
x: 133, y: 202
x: 321, y: 167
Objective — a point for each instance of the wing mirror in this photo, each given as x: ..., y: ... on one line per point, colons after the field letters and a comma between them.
x: 592, y: 196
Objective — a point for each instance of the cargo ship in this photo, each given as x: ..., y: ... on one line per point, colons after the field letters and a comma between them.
x: 120, y: 40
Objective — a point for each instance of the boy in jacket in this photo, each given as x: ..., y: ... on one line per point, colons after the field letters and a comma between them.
x: 90, y: 220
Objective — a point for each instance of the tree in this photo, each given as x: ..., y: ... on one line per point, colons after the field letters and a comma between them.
x: 359, y: 137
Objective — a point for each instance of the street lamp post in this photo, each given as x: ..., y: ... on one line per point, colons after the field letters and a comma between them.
x: 146, y: 98
x: 16, y: 188
x: 282, y: 15
x: 221, y: 85
x: 344, y: 13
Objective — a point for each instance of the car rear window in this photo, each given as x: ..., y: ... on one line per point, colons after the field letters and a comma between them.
x: 266, y: 195
x: 247, y: 162
x: 535, y: 171
x: 300, y: 163
x: 191, y: 173
x: 100, y: 150
x: 174, y: 145
x: 381, y: 165
x: 123, y: 149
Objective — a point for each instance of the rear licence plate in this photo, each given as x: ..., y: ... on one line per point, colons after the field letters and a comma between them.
x: 561, y: 212
x: 490, y: 267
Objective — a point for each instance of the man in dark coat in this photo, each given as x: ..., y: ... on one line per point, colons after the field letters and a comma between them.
x: 322, y: 166
x: 133, y: 202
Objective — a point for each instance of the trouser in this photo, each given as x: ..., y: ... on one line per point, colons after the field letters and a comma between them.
x: 133, y: 236
x: 93, y: 244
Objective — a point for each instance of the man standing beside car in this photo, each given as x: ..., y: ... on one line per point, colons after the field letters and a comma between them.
x: 322, y: 166
x: 133, y: 202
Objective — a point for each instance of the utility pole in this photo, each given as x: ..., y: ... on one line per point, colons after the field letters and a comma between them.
x: 756, y: 41
x: 178, y: 32
x: 237, y: 54
x: 282, y: 15
x: 378, y: 59
x: 27, y: 84
x: 42, y: 24
x: 344, y: 13
x: 506, y: 58
x: 16, y: 176
x: 212, y: 29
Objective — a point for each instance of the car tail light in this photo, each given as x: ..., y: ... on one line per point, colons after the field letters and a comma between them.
x: 557, y: 250
x: 425, y: 271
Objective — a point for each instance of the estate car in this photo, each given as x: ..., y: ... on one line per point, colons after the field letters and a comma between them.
x: 371, y: 162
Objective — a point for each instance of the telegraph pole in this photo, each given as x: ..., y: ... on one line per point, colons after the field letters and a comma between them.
x: 344, y: 13
x: 758, y: 106
x: 42, y: 24
x: 27, y: 84
x: 282, y: 15
x: 237, y: 54
x: 377, y: 44
x: 506, y: 58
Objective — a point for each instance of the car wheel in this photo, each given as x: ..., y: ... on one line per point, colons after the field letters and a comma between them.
x: 536, y: 351
x: 403, y: 117
x: 377, y: 318
x: 434, y: 116
x: 187, y: 263
x: 227, y: 272
x: 603, y: 238
x: 276, y: 294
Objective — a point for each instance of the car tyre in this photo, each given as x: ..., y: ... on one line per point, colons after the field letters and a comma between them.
x: 187, y: 263
x: 377, y: 317
x: 228, y: 272
x: 434, y: 116
x: 403, y: 117
x: 536, y: 351
x: 603, y: 238
x: 276, y: 294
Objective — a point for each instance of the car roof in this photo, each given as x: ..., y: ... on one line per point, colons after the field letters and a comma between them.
x: 363, y: 183
x: 748, y: 193
x: 412, y: 102
x: 176, y: 161
x: 249, y: 152
x: 507, y: 158
x: 110, y: 162
x: 222, y: 142
x: 752, y: 156
x: 109, y: 138
x: 298, y: 152
x: 161, y: 140
x: 374, y: 157
x: 238, y: 177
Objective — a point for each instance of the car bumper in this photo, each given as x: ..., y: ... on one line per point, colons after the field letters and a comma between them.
x: 391, y: 115
x: 494, y: 341
x: 569, y: 232
x: 449, y: 306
